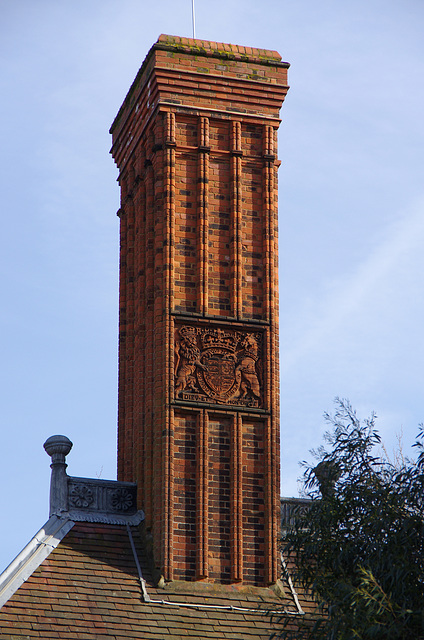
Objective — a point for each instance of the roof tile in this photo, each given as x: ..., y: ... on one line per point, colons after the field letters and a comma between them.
x: 88, y: 589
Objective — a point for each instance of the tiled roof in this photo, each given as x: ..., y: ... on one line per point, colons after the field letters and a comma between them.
x: 89, y: 588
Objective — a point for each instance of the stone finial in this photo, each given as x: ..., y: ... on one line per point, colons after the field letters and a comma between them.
x: 58, y: 448
x: 327, y: 472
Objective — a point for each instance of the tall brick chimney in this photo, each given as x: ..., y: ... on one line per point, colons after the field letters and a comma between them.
x: 195, y: 142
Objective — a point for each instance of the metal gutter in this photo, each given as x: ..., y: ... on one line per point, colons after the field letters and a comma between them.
x: 291, y: 586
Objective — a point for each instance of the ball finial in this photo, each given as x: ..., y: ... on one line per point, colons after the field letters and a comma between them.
x: 57, y: 446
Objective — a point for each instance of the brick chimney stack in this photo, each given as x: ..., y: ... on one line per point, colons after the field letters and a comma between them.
x: 195, y: 142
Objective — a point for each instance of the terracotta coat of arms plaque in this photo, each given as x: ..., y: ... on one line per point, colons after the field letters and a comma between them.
x: 218, y: 365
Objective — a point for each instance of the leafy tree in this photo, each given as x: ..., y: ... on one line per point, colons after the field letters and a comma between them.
x: 359, y: 549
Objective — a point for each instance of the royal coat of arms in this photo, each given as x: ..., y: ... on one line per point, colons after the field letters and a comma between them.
x: 218, y: 365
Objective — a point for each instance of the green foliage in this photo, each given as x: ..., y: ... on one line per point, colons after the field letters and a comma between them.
x: 359, y: 549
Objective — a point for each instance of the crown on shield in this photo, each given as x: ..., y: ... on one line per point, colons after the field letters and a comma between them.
x: 217, y: 338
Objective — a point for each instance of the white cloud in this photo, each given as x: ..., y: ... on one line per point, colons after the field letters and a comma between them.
x: 365, y: 294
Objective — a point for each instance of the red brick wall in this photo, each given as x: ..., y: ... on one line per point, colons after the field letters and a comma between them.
x: 185, y: 507
x: 219, y: 498
x: 195, y: 142
x: 253, y: 480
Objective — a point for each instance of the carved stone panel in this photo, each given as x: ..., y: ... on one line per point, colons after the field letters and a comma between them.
x: 218, y: 365
x: 102, y: 495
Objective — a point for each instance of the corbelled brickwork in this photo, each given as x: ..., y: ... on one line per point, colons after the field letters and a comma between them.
x: 195, y: 143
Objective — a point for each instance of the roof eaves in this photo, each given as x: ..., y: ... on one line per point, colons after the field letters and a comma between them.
x: 106, y: 518
x: 31, y: 556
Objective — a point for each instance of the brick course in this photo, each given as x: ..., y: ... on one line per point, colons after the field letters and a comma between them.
x: 195, y: 143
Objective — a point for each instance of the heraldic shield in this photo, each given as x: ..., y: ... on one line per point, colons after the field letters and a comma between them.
x: 218, y: 378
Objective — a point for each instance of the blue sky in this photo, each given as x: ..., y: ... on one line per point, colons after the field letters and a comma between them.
x: 351, y: 221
